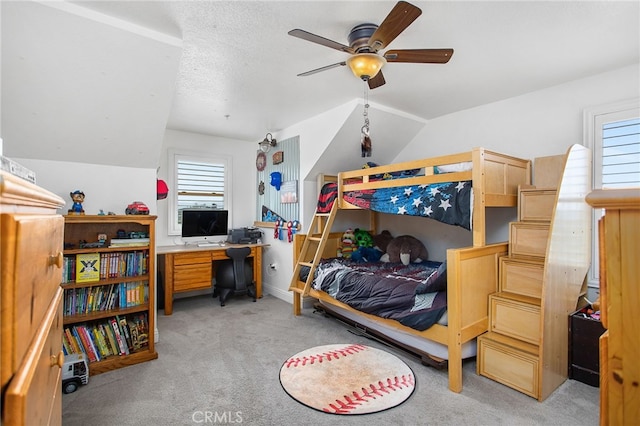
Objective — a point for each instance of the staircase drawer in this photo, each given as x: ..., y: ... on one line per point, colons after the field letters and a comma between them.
x: 521, y: 277
x: 508, y: 365
x: 515, y: 318
x: 536, y: 204
x: 528, y: 239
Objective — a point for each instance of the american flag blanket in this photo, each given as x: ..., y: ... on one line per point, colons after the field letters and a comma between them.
x: 449, y: 202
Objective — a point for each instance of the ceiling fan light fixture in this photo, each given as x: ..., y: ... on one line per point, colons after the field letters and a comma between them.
x: 267, y: 143
x: 366, y: 65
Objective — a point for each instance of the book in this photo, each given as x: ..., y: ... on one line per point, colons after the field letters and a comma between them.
x: 129, y: 242
x: 111, y: 338
x: 86, y: 346
x: 134, y: 332
x: 87, y: 267
x: 142, y: 329
x: 124, y: 327
x: 75, y: 346
x: 122, y: 345
x: 101, y: 340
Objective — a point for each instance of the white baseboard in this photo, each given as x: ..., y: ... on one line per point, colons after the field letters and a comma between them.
x: 286, y: 295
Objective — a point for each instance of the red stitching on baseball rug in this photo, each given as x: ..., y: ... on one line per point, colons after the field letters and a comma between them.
x: 347, y: 379
x: 325, y: 356
x: 349, y: 403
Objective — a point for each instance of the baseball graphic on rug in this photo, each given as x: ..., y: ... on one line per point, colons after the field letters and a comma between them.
x: 347, y: 379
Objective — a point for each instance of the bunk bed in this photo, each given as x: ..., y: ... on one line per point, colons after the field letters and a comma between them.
x: 471, y: 271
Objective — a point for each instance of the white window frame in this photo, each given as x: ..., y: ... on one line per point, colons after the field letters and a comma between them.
x: 594, y: 118
x: 176, y: 155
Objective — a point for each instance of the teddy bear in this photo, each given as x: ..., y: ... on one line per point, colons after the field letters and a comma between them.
x: 363, y: 238
x: 366, y: 254
x: 348, y: 244
x: 381, y: 241
x: 405, y: 249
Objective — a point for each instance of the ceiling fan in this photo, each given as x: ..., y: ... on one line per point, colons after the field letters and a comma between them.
x: 366, y: 40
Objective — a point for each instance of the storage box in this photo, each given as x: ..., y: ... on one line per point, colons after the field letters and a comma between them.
x: 584, y: 336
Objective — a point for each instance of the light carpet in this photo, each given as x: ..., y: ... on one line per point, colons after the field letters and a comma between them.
x: 347, y: 379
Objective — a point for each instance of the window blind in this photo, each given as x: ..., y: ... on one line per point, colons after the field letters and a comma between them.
x: 200, y: 185
x: 621, y: 154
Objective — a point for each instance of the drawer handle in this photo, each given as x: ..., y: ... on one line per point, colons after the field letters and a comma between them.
x: 57, y: 360
x: 56, y: 259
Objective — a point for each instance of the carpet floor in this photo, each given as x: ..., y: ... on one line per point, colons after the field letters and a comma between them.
x: 220, y: 365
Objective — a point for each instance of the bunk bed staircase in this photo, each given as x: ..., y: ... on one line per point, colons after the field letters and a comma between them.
x: 312, y: 249
x: 541, y: 279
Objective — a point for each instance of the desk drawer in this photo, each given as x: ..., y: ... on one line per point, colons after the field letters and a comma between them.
x: 39, y: 375
x: 192, y: 258
x: 192, y: 277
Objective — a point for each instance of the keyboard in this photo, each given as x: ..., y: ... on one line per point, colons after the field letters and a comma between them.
x: 209, y: 244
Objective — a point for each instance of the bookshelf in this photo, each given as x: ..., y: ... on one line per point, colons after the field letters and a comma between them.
x: 109, y: 289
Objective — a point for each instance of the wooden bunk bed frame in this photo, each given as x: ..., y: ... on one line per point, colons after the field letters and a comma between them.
x: 472, y: 272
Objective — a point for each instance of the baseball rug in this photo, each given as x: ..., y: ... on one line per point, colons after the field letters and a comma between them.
x: 347, y: 379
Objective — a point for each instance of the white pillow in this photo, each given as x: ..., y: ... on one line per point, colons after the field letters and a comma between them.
x: 456, y: 167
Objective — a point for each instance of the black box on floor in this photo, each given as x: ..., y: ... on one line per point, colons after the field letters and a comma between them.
x: 584, y: 347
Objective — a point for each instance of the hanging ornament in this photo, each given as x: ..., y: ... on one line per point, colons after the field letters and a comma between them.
x: 365, y: 139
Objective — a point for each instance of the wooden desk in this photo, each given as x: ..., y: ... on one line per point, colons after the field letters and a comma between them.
x: 189, y: 268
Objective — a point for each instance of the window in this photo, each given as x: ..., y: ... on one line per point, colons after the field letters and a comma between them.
x: 613, y: 134
x: 200, y: 181
x: 618, y: 151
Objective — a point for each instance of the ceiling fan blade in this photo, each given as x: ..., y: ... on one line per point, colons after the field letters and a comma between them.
x: 376, y: 81
x: 400, y: 17
x: 327, y: 67
x: 423, y: 56
x: 305, y: 35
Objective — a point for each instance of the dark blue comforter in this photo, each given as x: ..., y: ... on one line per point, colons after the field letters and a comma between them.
x: 415, y: 295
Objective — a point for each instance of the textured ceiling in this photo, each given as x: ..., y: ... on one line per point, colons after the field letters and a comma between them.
x: 234, y: 72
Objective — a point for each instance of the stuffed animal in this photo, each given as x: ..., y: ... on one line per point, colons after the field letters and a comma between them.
x: 348, y: 244
x: 363, y: 238
x: 382, y: 240
x: 366, y: 254
x: 405, y: 249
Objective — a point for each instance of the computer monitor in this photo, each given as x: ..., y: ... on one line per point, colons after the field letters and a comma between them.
x: 204, y: 225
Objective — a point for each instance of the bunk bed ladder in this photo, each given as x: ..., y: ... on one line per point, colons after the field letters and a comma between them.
x: 313, y: 244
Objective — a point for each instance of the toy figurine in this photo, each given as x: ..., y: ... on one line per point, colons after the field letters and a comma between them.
x: 77, y: 197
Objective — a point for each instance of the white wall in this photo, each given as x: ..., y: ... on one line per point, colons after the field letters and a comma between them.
x: 546, y: 122
x: 109, y: 188
x: 243, y: 178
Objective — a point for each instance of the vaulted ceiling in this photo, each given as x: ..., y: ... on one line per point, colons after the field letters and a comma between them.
x: 108, y: 77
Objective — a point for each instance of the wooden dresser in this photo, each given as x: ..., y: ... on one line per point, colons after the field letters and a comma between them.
x: 31, y: 316
x: 619, y: 247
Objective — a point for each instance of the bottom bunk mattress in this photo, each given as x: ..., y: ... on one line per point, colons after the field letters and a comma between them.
x: 414, y: 295
x: 402, y: 338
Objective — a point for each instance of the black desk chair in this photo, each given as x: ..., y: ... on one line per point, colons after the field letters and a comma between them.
x: 235, y: 276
